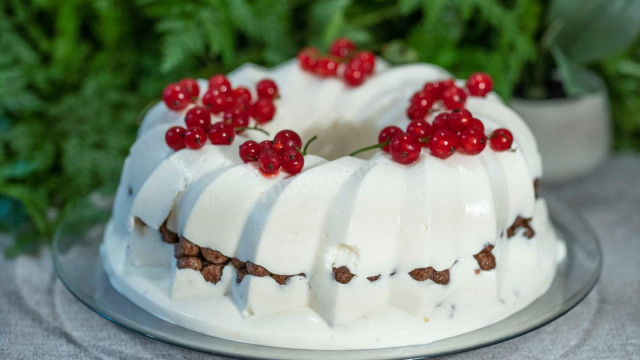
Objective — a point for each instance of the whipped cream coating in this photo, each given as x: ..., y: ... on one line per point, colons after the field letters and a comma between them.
x: 376, y: 217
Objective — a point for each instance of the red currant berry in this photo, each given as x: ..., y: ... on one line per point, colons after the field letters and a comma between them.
x: 352, y: 76
x: 443, y: 143
x: 436, y: 88
x: 263, y: 110
x: 269, y: 162
x: 454, y: 98
x: 327, y: 66
x: 292, y: 161
x: 266, y: 145
x: 221, y: 133
x: 477, y: 125
x: 479, y: 84
x: 249, y: 151
x: 472, y: 142
x: 285, y: 140
x: 366, y: 61
x: 175, y: 97
x: 387, y: 134
x: 175, y: 137
x: 404, y: 148
x: 267, y: 89
x: 219, y: 82
x: 501, y: 140
x: 421, y: 129
x: 445, y: 84
x: 236, y: 117
x: 216, y: 102
x: 242, y: 92
x: 308, y: 58
x: 416, y: 112
x: 423, y: 99
x: 191, y: 87
x: 341, y: 47
x: 441, y: 121
x: 460, y: 119
x: 198, y: 116
x: 195, y: 138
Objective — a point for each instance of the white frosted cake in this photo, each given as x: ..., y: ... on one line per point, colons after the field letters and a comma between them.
x: 342, y: 252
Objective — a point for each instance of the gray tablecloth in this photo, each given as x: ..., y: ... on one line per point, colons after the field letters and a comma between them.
x: 40, y: 319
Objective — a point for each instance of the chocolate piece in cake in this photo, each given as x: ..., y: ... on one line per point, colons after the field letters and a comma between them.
x: 486, y: 260
x: 238, y: 264
x: 342, y: 274
x: 441, y: 277
x: 240, y: 274
x: 429, y: 273
x: 168, y: 236
x: 521, y: 222
x: 185, y: 247
x: 373, y: 278
x: 422, y: 274
x: 256, y: 270
x: 213, y: 256
x: 536, y: 185
x: 280, y: 279
x: 189, y: 262
x: 212, y: 272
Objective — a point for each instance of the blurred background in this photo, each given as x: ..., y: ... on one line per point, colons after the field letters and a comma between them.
x: 76, y: 74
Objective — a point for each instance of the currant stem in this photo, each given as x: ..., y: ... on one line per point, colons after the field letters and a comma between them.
x: 376, y: 146
x: 255, y: 127
x: 306, y: 146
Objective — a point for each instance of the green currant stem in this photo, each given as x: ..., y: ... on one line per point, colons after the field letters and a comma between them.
x: 425, y: 139
x: 376, y: 146
x: 306, y: 146
x: 255, y: 127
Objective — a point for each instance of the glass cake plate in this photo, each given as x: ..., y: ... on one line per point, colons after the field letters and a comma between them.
x: 78, y: 264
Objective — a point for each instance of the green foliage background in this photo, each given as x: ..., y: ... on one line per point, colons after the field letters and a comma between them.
x: 75, y: 74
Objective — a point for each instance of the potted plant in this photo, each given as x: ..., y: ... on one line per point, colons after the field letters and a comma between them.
x: 564, y: 103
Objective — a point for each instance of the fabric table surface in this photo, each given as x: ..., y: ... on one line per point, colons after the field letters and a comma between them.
x: 40, y: 319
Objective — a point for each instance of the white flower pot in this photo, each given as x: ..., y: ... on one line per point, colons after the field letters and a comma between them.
x: 573, y: 134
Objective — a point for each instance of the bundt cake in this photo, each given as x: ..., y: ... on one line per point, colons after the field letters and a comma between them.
x: 214, y: 229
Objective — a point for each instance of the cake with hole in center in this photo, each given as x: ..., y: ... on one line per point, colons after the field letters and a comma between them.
x: 413, y: 216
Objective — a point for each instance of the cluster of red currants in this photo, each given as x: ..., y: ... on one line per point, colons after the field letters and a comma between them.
x: 284, y: 151
x: 233, y: 105
x: 452, y: 97
x: 449, y: 132
x: 344, y: 60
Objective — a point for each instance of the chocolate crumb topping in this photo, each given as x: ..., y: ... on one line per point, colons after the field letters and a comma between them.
x: 373, y: 278
x: 212, y: 272
x: 521, y: 222
x: 256, y: 270
x: 486, y: 260
x: 342, y: 274
x: 185, y: 247
x: 168, y: 236
x: 213, y: 256
x: 280, y: 279
x: 429, y: 273
x: 189, y: 262
x: 536, y: 185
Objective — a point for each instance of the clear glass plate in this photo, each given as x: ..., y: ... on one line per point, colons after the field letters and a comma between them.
x: 78, y: 265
